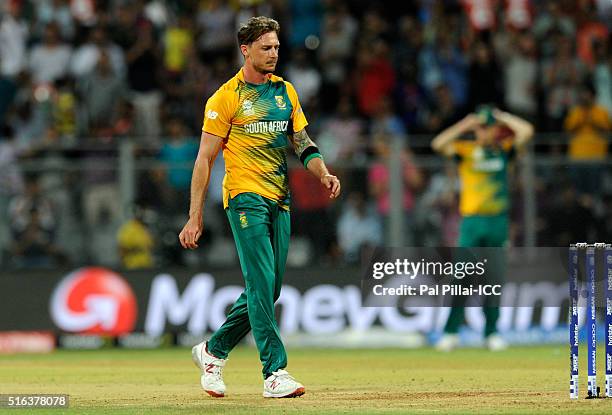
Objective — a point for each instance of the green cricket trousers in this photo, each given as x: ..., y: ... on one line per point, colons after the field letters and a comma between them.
x: 484, y: 231
x: 261, y: 232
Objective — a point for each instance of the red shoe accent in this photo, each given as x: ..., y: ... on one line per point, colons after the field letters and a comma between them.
x: 206, y: 348
x: 296, y: 393
x: 216, y: 395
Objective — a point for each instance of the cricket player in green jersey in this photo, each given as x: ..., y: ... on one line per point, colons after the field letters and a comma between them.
x: 484, y: 198
x: 251, y: 117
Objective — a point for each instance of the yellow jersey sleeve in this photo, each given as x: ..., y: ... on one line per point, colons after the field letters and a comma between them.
x: 218, y: 113
x: 463, y: 148
x: 601, y: 117
x: 298, y: 118
x: 507, y: 145
x: 573, y: 119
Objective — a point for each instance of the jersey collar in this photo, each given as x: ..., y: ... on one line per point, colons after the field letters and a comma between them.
x: 240, y: 76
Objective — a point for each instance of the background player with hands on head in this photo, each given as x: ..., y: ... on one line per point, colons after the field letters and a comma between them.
x: 484, y: 199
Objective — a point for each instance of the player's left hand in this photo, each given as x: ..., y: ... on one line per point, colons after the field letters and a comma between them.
x: 332, y: 184
x: 498, y: 114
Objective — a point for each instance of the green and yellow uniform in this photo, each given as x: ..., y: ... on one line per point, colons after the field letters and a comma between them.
x: 254, y: 121
x: 484, y: 195
x: 484, y: 204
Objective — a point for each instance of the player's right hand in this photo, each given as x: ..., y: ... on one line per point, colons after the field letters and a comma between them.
x: 472, y: 121
x: 191, y: 233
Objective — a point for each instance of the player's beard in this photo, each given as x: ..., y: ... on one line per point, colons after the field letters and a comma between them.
x: 264, y: 69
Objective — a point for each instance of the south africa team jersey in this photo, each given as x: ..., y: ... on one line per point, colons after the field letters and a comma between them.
x: 483, y: 173
x: 254, y: 121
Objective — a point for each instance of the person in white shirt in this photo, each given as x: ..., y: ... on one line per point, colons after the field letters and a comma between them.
x: 85, y: 58
x: 13, y: 38
x: 358, y: 228
x: 49, y: 60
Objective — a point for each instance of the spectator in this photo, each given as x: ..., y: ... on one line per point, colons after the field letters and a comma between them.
x: 437, y: 211
x: 49, y: 60
x: 86, y: 58
x: 13, y: 39
x: 183, y: 93
x: 64, y: 110
x: 441, y: 111
x: 518, y: 15
x: 124, y: 122
x: 100, y: 187
x: 136, y: 243
x: 442, y: 62
x: 408, y: 96
x: 359, y: 229
x: 484, y: 74
x: 143, y: 76
x: 214, y: 39
x: 385, y: 122
x: 178, y: 43
x: 312, y: 217
x: 521, y: 76
x: 33, y: 227
x: 374, y: 76
x: 55, y: 12
x: 11, y: 180
x: 562, y: 75
x: 29, y: 123
x: 590, y: 31
x: 410, y: 40
x: 178, y: 154
x: 374, y: 26
x: 85, y: 13
x: 101, y: 92
x: 305, y: 78
x: 552, y: 22
x: 481, y: 14
x: 588, y: 123
x: 342, y: 134
x: 602, y: 75
x: 8, y: 91
x: 568, y: 218
x: 127, y: 19
x: 378, y: 181
x: 339, y: 29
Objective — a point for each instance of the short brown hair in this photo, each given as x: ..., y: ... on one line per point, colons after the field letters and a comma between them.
x: 255, y: 27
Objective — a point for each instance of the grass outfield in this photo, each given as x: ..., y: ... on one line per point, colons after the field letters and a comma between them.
x: 390, y: 381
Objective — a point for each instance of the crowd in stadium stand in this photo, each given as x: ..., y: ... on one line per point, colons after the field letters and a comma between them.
x: 79, y: 76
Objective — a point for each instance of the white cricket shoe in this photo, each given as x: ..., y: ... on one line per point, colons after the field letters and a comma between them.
x: 447, y: 343
x: 212, y: 370
x: 496, y: 343
x: 280, y: 384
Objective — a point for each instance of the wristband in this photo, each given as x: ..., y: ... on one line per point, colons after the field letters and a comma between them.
x: 311, y: 156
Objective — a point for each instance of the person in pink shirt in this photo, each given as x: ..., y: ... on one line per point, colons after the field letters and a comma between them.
x: 378, y: 182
